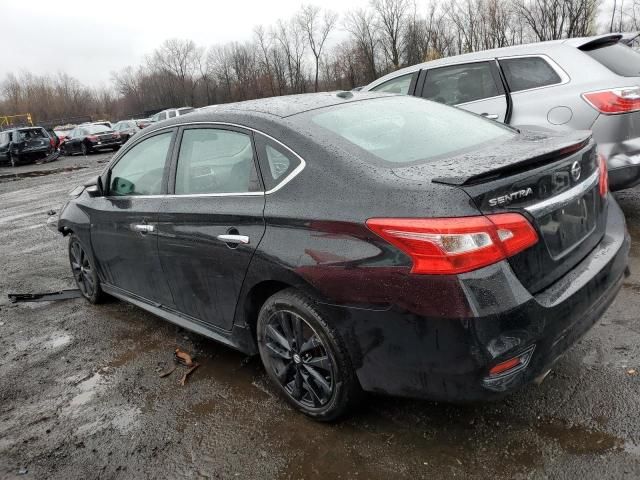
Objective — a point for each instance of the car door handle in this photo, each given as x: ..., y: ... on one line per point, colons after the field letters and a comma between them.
x: 144, y: 228
x: 227, y: 238
x: 490, y: 116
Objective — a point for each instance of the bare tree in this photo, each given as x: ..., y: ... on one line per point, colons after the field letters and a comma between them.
x: 317, y: 30
x: 390, y: 16
x: 360, y: 24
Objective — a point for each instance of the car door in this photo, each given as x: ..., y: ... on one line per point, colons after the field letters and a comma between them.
x: 476, y: 87
x: 73, y: 144
x: 124, y: 220
x: 209, y: 228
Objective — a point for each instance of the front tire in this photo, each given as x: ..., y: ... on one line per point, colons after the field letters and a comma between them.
x: 305, y: 357
x: 84, y: 271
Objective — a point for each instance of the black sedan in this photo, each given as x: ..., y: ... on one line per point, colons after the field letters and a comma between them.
x: 90, y: 138
x: 358, y: 242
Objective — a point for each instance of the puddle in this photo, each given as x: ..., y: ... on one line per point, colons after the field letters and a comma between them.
x: 39, y: 173
x: 579, y: 440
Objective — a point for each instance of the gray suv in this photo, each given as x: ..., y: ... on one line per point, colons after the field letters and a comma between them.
x: 576, y: 84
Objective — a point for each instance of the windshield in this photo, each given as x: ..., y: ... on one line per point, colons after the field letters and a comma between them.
x: 403, y: 130
x: 91, y: 129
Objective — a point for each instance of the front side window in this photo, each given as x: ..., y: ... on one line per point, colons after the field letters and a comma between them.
x: 276, y: 162
x: 215, y: 161
x: 460, y: 84
x: 528, y: 72
x: 141, y: 169
x: 397, y: 85
x: 397, y: 131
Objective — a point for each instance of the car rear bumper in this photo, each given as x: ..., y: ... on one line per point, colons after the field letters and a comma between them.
x: 447, y: 358
x: 105, y: 144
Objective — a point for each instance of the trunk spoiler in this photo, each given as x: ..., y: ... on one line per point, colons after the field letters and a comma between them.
x: 513, y: 168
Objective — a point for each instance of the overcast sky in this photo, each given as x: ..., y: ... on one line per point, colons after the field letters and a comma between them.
x: 90, y: 39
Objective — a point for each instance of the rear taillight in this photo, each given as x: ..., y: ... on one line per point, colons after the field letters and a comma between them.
x: 116, y: 135
x: 616, y: 100
x: 604, y: 175
x: 456, y: 245
x: 92, y: 138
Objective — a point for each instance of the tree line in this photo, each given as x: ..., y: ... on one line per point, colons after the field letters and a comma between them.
x: 313, y: 50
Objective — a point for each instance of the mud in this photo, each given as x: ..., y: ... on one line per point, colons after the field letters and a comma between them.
x: 80, y: 394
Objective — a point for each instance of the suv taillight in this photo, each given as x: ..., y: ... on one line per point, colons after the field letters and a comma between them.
x: 456, y: 245
x: 92, y: 138
x: 616, y: 100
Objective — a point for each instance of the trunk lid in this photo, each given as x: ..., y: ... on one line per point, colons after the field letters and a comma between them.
x: 33, y: 138
x: 550, y: 178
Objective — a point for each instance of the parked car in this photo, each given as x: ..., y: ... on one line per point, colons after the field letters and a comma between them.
x: 579, y: 83
x: 86, y: 139
x: 25, y: 144
x: 170, y: 113
x: 143, y: 122
x: 126, y: 129
x: 358, y: 241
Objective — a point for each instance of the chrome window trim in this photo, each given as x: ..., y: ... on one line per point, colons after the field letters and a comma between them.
x: 564, y: 76
x: 551, y: 204
x: 281, y: 184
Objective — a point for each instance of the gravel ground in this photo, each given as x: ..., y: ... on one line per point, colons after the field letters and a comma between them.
x: 80, y: 395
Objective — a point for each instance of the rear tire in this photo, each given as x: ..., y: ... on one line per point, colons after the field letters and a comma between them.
x: 13, y: 160
x: 305, y: 357
x: 84, y: 149
x: 84, y: 271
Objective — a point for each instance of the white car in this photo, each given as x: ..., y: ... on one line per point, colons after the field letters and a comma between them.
x: 170, y: 113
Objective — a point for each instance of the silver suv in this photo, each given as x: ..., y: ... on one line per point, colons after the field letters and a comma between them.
x: 170, y: 113
x: 579, y: 84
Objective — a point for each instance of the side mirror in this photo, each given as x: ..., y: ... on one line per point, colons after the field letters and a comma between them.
x: 95, y: 188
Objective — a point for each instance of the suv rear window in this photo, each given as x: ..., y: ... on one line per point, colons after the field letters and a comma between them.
x: 618, y: 58
x: 32, y: 133
x: 528, y: 72
x: 404, y: 130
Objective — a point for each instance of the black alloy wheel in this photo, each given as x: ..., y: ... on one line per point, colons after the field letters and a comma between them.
x: 84, y: 272
x: 305, y: 357
x: 84, y: 149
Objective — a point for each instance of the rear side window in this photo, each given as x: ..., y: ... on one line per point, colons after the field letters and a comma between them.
x: 406, y: 130
x: 141, y: 169
x: 460, y: 84
x: 215, y: 161
x: 172, y: 113
x: 396, y: 85
x: 618, y: 58
x: 528, y: 72
x: 276, y: 161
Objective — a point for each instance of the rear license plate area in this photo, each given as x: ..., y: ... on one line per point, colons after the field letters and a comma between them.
x: 565, y: 228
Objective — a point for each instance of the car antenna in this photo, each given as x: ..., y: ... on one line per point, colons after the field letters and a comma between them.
x: 344, y: 94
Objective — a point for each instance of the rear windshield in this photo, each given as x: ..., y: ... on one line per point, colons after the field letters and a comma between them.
x: 404, y: 130
x: 31, y: 133
x: 618, y: 58
x: 91, y: 129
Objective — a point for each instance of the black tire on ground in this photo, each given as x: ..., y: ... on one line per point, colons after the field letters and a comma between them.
x: 305, y: 357
x: 84, y: 149
x: 84, y: 271
x: 13, y: 160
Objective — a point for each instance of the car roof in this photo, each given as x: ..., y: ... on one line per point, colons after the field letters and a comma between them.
x: 288, y: 105
x: 538, y: 48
